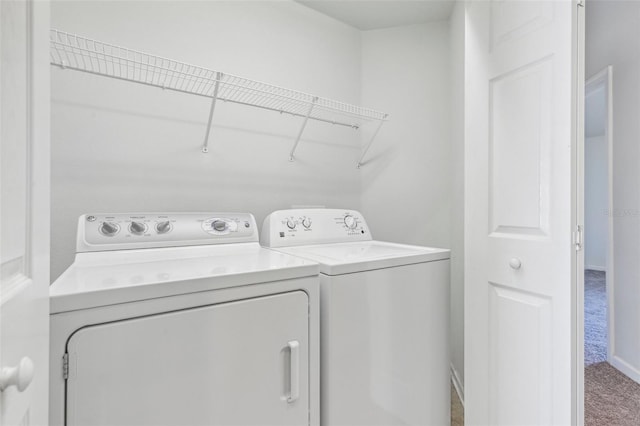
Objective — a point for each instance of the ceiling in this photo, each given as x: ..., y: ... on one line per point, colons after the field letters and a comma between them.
x: 376, y: 14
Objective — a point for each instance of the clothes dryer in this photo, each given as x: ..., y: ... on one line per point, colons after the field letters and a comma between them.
x: 183, y: 319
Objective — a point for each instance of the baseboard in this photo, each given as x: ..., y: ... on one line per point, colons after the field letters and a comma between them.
x: 596, y: 268
x: 457, y: 383
x: 625, y: 368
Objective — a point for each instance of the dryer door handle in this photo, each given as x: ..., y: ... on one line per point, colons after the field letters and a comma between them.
x: 294, y: 371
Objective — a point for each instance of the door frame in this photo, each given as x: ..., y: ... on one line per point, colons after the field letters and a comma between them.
x: 577, y: 281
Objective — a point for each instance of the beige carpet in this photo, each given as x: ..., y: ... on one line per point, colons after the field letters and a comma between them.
x: 610, y: 397
x: 457, y: 411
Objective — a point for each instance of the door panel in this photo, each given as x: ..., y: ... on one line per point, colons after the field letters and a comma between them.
x: 512, y: 347
x: 14, y: 131
x: 520, y: 114
x: 24, y: 212
x: 519, y: 146
x: 227, y: 364
x: 512, y: 20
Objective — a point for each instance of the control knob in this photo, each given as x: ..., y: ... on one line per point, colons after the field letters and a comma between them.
x: 219, y: 225
x: 306, y: 222
x: 291, y: 224
x: 163, y: 227
x: 350, y: 222
x: 137, y: 228
x: 109, y: 229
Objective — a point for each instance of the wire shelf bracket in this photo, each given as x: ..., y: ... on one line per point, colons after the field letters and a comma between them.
x: 70, y: 51
x: 205, y: 145
x: 304, y: 124
x: 366, y: 148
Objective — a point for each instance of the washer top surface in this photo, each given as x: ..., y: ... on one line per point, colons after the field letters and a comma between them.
x: 195, y: 254
x: 346, y: 258
x: 340, y: 241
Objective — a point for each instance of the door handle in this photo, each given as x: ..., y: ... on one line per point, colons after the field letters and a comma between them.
x: 19, y: 376
x: 294, y: 370
x: 515, y: 263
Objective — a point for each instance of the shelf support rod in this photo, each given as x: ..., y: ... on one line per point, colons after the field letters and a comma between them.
x: 205, y: 146
x: 304, y: 123
x: 366, y: 148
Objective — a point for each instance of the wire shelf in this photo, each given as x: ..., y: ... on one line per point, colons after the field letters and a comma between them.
x: 83, y: 54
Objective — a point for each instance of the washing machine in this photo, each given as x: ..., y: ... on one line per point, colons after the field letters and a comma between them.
x: 384, y: 318
x: 183, y: 319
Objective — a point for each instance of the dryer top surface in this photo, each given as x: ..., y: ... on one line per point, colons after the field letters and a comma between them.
x: 113, y: 277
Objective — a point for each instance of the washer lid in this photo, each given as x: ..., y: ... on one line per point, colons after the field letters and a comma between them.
x: 107, y: 278
x: 345, y: 258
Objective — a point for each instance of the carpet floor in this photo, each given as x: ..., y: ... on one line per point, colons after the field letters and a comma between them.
x: 457, y: 410
x: 610, y: 397
x: 595, y: 317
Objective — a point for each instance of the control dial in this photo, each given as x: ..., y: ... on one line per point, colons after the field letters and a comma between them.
x: 350, y: 222
x: 163, y: 227
x: 109, y: 229
x: 291, y: 224
x: 306, y: 222
x: 137, y: 228
x: 219, y: 225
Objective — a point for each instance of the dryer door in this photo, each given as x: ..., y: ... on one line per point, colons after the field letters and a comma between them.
x: 239, y: 363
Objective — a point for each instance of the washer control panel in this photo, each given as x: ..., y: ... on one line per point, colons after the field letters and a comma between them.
x: 117, y: 231
x: 284, y: 228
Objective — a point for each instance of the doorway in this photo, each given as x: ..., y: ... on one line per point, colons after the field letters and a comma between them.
x: 611, y: 396
x: 598, y: 208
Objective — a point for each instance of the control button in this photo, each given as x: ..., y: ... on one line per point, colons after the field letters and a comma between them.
x: 137, y: 228
x: 163, y: 227
x: 247, y: 224
x: 219, y: 225
x: 291, y: 224
x: 306, y: 222
x: 350, y: 222
x: 109, y: 229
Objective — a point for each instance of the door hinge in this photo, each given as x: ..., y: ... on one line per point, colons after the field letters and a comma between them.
x: 580, y: 3
x: 577, y: 238
x: 65, y: 366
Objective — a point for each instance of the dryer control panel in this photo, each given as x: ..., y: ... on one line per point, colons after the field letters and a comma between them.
x: 121, y: 231
x: 296, y: 227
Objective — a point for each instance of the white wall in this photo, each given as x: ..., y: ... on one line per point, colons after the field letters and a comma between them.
x: 407, y: 186
x: 613, y: 38
x: 406, y: 194
x: 457, y: 36
x: 596, y: 203
x: 118, y: 146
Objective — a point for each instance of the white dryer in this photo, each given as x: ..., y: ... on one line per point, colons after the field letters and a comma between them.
x: 384, y: 319
x: 183, y: 319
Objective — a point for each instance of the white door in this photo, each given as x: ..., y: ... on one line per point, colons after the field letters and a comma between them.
x: 238, y: 363
x: 521, y: 94
x: 24, y: 212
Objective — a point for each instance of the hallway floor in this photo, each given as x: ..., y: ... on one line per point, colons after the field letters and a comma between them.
x: 457, y: 410
x: 595, y: 317
x: 611, y: 398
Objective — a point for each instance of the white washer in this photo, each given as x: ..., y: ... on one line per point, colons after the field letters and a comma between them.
x: 183, y: 319
x: 384, y: 319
